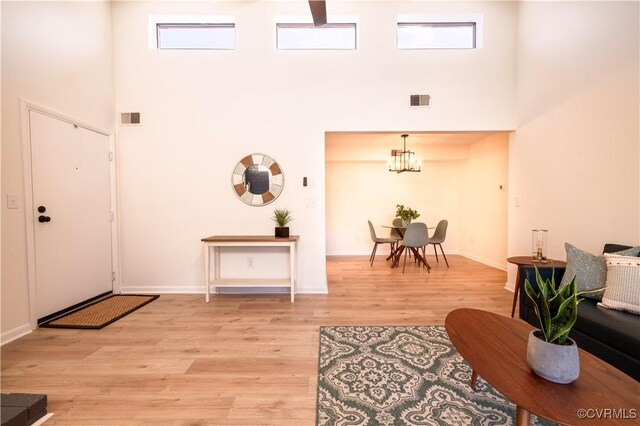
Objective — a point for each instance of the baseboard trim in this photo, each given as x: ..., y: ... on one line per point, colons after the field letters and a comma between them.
x: 200, y: 290
x: 502, y: 267
x: 42, y: 420
x: 510, y: 287
x: 161, y: 289
x: 312, y: 291
x: 384, y: 251
x: 16, y: 333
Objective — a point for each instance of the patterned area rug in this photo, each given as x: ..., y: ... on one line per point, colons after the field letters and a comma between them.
x: 402, y: 376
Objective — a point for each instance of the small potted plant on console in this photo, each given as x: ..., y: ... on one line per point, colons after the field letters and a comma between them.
x: 551, y: 353
x: 282, y: 217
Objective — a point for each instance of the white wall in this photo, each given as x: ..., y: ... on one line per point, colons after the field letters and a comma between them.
x: 359, y: 187
x: 574, y: 160
x: 203, y: 111
x: 58, y: 55
x: 1, y: 210
x: 483, y: 221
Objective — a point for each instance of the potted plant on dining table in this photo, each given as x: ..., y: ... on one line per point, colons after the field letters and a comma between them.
x: 406, y: 214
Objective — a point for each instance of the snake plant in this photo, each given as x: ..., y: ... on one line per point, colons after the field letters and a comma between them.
x: 557, y: 310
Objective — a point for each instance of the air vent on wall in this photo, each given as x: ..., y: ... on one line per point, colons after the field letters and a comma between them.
x: 130, y: 118
x: 419, y: 100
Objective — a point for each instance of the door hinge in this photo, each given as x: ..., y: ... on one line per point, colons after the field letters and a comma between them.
x: 113, y: 216
x: 113, y: 275
x: 110, y: 155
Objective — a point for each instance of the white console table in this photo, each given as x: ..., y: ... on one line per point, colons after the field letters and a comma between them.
x: 218, y: 241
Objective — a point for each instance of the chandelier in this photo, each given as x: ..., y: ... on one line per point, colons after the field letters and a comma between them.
x: 405, y: 160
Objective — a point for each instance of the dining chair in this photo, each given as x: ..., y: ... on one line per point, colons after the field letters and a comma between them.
x: 438, y: 238
x: 397, y: 222
x: 416, y: 236
x: 377, y: 240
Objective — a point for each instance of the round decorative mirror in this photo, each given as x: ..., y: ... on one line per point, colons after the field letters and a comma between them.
x: 257, y: 179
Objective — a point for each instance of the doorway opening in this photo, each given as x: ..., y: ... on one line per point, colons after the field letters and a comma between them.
x: 463, y: 179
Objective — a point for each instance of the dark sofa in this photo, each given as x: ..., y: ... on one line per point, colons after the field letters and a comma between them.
x: 613, y: 336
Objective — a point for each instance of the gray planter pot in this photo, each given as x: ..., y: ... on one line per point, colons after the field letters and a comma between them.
x: 556, y: 363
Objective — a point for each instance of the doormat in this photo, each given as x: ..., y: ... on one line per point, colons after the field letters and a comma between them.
x: 402, y: 376
x: 101, y: 313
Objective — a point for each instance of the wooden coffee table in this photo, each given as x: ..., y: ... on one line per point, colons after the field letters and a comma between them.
x: 496, y: 348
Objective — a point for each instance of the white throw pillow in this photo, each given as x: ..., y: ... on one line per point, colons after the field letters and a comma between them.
x: 623, y: 284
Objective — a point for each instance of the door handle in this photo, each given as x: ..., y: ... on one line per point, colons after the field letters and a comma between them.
x: 43, y: 219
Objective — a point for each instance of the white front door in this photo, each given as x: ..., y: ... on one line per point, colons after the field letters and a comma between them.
x: 72, y: 212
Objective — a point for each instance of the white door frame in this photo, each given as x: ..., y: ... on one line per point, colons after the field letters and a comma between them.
x: 25, y: 107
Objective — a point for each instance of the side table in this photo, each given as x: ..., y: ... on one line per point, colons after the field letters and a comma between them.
x: 528, y: 261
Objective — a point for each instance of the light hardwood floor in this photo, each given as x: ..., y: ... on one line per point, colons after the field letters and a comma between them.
x: 240, y: 360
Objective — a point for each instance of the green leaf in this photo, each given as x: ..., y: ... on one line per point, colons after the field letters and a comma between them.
x: 591, y: 291
x: 556, y: 309
x: 545, y: 314
x: 535, y: 297
x: 564, y: 320
x: 566, y: 291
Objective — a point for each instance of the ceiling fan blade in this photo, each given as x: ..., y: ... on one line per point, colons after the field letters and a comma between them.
x: 318, y: 12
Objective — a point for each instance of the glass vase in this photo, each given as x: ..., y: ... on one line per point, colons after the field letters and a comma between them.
x: 539, y: 245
